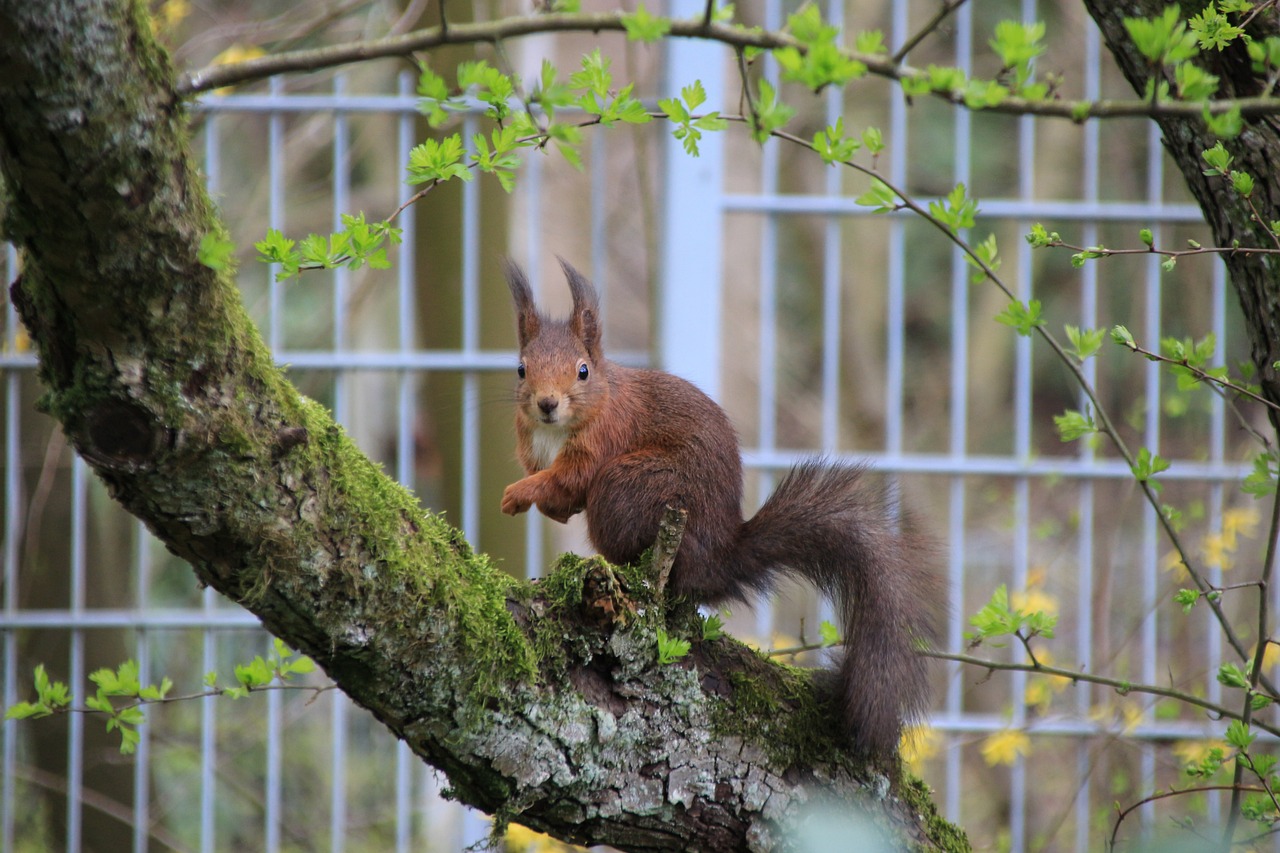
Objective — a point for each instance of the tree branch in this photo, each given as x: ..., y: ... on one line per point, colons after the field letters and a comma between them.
x: 418, y: 41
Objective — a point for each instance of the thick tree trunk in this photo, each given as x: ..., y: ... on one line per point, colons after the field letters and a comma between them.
x: 1256, y: 151
x: 533, y: 708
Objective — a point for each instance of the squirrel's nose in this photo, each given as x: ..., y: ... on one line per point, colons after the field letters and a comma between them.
x: 548, y: 405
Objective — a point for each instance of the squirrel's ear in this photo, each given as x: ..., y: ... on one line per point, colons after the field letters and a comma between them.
x: 526, y: 312
x: 585, y: 321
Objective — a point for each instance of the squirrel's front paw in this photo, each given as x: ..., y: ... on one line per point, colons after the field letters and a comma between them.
x: 516, y: 498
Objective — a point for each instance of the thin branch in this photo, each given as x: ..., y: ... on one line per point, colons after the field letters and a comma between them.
x: 948, y: 6
x: 1162, y: 795
x: 733, y: 35
x: 1225, y: 384
x: 1119, y: 685
x: 1264, y: 631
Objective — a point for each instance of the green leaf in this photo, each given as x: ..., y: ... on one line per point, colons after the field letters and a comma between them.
x: 945, y: 79
x: 688, y: 126
x: 216, y: 252
x: 1239, y: 736
x: 1242, y: 182
x: 956, y: 211
x: 1093, y: 252
x: 671, y: 649
x: 278, y: 249
x: 870, y: 41
x: 1122, y: 336
x: 1149, y: 464
x: 644, y: 27
x: 769, y: 113
x: 1212, y: 29
x: 829, y: 633
x: 879, y: 196
x: 1039, y: 238
x: 1073, y: 425
x: 1162, y: 39
x: 1017, y: 43
x: 712, y: 628
x: 257, y: 673
x: 1261, y: 481
x: 436, y: 160
x: 1084, y: 343
x: 1193, y: 83
x: 872, y: 140
x: 1187, y: 599
x: 988, y: 254
x: 833, y: 146
x: 1218, y: 159
x: 1022, y: 316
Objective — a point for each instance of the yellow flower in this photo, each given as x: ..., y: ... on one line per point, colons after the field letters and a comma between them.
x: 1194, y: 751
x: 1034, y: 601
x: 1268, y: 657
x: 1133, y: 716
x: 1042, y: 688
x: 173, y: 12
x: 1217, y: 551
x: 238, y: 53
x: 233, y: 54
x: 525, y: 840
x: 1241, y: 520
x: 1172, y: 562
x: 1004, y: 747
x: 919, y: 744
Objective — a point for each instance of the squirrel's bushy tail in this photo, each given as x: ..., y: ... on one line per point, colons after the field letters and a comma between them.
x: 828, y: 524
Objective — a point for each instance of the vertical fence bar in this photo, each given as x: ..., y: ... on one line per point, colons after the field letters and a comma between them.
x: 12, y: 535
x: 1151, y: 436
x: 274, y: 794
x: 75, y: 751
x: 959, y: 415
x: 142, y: 752
x: 208, y: 655
x: 831, y: 274
x: 1085, y: 505
x: 341, y: 408
x: 475, y: 827
x: 406, y: 302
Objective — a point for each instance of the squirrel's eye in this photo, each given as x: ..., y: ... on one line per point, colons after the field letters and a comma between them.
x: 520, y: 370
x: 583, y: 373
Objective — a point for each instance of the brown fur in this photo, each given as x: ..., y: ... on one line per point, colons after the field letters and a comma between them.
x: 635, y: 441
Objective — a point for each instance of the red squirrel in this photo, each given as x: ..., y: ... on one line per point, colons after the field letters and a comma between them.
x: 620, y: 444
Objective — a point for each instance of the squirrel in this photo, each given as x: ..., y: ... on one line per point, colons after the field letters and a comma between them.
x: 621, y: 444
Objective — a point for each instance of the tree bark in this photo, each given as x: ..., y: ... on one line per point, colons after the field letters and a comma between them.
x: 542, y: 703
x: 1256, y: 151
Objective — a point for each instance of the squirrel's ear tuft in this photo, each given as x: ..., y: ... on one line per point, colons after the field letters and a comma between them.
x: 585, y: 321
x: 527, y: 319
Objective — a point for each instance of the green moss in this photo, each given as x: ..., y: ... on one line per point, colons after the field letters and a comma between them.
x: 919, y: 799
x: 776, y: 707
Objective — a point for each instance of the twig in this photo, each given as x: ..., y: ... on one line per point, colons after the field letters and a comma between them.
x: 1124, y: 813
x: 1264, y: 631
x: 670, y: 532
x: 923, y: 33
x: 1120, y: 686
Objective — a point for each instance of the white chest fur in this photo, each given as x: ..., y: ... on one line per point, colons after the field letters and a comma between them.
x: 548, y: 439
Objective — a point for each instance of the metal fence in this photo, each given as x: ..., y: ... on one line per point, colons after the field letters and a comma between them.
x: 819, y: 325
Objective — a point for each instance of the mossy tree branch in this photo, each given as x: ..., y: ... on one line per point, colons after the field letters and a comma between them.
x: 538, y: 702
